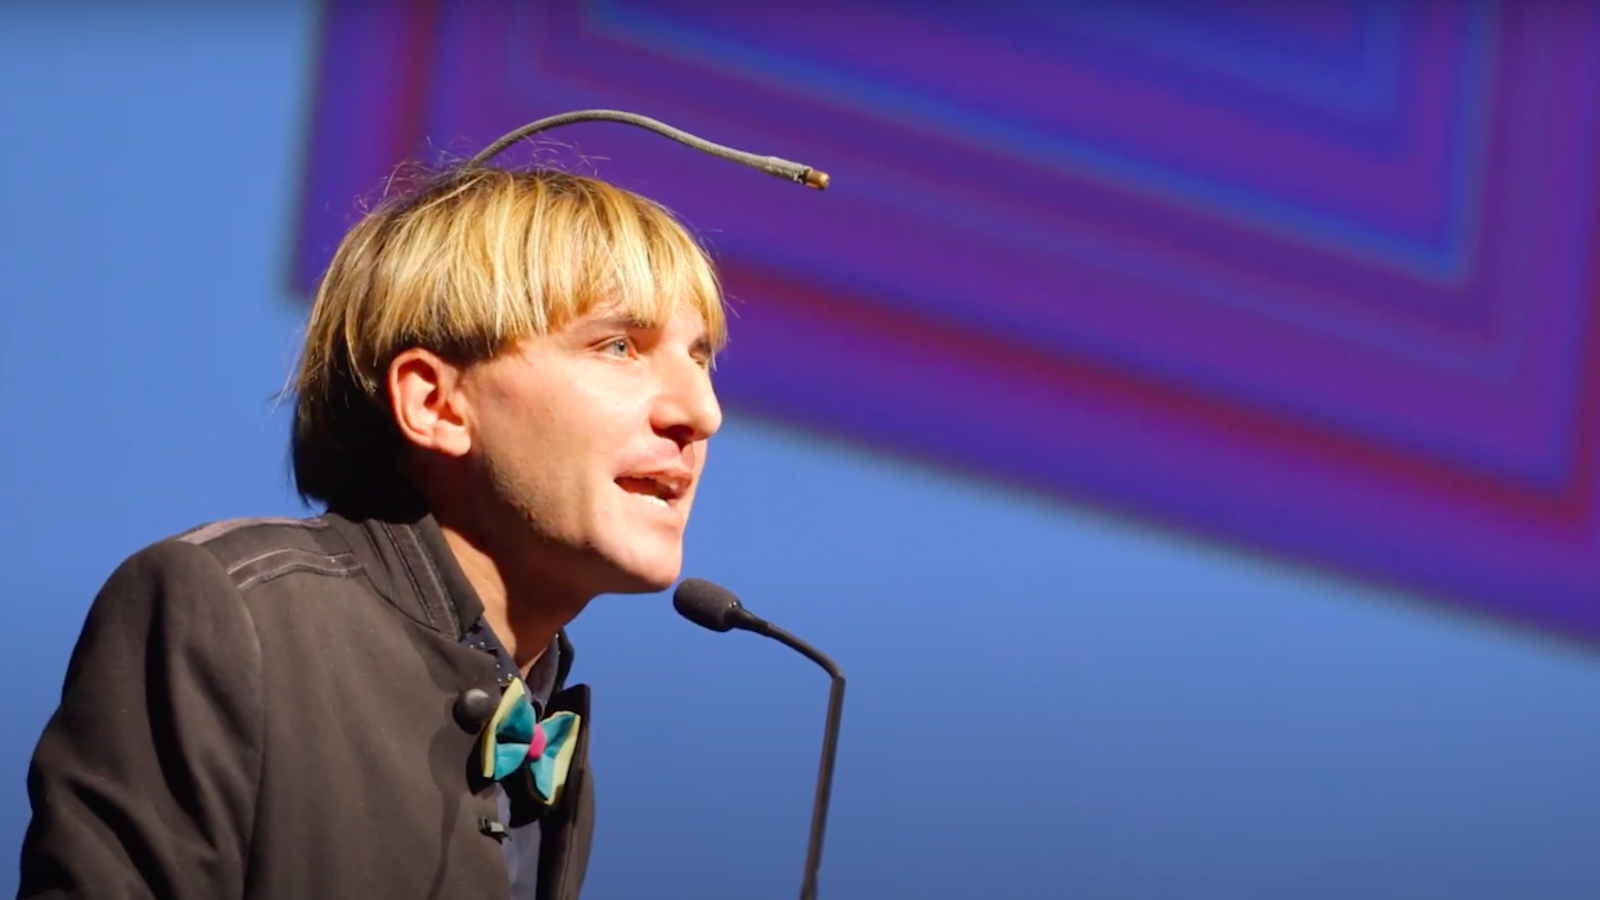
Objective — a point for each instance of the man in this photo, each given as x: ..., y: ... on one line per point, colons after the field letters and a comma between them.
x: 504, y: 402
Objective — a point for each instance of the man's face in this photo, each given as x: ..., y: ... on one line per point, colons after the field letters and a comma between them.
x: 593, y: 438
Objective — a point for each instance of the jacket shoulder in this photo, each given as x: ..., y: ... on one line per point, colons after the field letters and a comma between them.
x: 257, y: 549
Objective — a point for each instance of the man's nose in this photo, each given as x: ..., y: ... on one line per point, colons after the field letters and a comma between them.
x: 687, y: 409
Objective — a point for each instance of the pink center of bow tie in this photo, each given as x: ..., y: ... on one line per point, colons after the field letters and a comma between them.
x: 536, y: 742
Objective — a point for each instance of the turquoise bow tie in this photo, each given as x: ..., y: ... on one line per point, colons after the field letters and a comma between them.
x: 514, y: 741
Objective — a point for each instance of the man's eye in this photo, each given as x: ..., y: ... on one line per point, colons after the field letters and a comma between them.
x: 620, y: 345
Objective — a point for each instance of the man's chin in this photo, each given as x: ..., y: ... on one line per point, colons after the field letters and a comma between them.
x: 626, y: 560
x: 638, y: 576
x: 642, y: 585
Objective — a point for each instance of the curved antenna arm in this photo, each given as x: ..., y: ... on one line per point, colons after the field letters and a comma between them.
x: 772, y: 165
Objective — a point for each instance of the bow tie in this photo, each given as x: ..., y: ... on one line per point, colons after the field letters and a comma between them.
x: 515, y: 742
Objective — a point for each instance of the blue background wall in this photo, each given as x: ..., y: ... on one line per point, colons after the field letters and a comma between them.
x: 1157, y: 718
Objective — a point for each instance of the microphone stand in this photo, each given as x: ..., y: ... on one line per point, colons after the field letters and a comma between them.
x: 713, y: 606
x: 830, y: 746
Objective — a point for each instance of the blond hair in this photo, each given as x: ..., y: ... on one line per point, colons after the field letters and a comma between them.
x: 472, y: 262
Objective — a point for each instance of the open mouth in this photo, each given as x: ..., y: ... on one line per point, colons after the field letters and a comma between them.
x: 661, y: 490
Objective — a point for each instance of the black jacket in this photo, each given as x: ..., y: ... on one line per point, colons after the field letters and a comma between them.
x: 267, y: 709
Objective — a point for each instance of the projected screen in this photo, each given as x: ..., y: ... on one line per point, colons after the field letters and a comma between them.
x: 1317, y: 281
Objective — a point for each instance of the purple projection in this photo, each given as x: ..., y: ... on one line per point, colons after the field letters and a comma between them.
x: 1318, y: 282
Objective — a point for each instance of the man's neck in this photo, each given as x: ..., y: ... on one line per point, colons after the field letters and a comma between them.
x: 524, y: 615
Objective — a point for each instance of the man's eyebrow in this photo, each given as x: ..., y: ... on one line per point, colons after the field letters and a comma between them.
x: 701, y: 346
x: 622, y: 320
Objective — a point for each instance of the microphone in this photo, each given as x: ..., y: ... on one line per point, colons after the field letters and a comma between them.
x: 715, y: 607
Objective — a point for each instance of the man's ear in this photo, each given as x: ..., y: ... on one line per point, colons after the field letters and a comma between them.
x: 429, y: 406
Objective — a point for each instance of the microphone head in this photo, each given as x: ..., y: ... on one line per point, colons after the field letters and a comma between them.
x: 709, y: 605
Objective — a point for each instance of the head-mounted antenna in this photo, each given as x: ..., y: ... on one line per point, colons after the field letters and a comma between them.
x: 772, y: 165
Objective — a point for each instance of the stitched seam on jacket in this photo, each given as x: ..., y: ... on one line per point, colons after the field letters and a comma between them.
x: 441, y: 591
x: 333, y: 566
x: 204, y: 534
x: 250, y: 570
x: 411, y: 576
x: 252, y: 560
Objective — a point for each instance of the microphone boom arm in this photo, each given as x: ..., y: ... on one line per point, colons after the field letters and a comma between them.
x: 713, y: 606
x: 830, y: 746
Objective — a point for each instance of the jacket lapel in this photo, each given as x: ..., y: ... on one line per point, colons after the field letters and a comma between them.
x: 409, y: 564
x: 568, y: 829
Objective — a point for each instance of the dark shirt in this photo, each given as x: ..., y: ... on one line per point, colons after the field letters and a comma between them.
x: 521, y: 847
